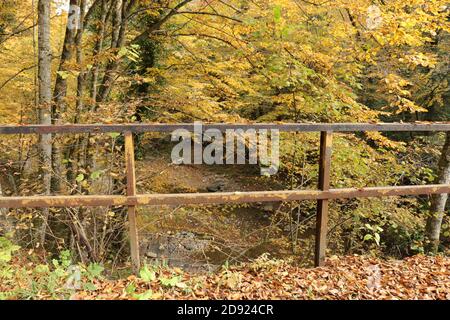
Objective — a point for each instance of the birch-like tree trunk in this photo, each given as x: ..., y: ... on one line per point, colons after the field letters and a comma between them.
x: 6, y: 226
x: 434, y: 221
x: 60, y: 92
x: 45, y: 100
x: 438, y: 204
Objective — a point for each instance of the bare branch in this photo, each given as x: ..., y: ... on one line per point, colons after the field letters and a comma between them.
x: 210, y: 14
x: 156, y: 26
x: 201, y: 35
x: 16, y: 75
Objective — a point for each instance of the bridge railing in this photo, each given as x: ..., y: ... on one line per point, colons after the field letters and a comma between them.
x: 131, y: 200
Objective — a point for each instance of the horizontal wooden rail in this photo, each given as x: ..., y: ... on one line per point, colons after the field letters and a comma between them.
x: 285, y: 127
x: 217, y: 198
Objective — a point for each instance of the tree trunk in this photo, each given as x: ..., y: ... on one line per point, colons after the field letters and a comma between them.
x: 99, y: 48
x: 434, y: 221
x: 117, y: 42
x: 45, y: 99
x: 79, y: 57
x: 60, y: 92
x: 6, y: 226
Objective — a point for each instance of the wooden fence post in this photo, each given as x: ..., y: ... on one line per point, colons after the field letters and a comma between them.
x: 131, y: 191
x: 322, y: 205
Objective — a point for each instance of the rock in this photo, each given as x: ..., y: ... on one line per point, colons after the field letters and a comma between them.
x: 179, y: 248
x: 151, y: 254
x: 191, y: 246
x: 216, y: 187
x: 271, y: 206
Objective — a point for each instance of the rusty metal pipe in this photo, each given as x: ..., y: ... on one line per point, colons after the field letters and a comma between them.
x: 218, y: 198
x: 163, y: 127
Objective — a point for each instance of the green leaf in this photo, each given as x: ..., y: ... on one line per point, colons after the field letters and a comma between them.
x: 277, y: 13
x: 144, y: 296
x: 90, y: 286
x: 55, y: 263
x: 114, y: 135
x: 42, y: 268
x: 63, y: 74
x: 123, y: 52
x: 368, y: 237
x: 6, y: 249
x: 5, y: 256
x: 377, y: 239
x: 65, y: 258
x: 95, y: 270
x: 130, y: 288
x: 79, y: 178
x: 170, y: 282
x: 147, y: 275
x: 96, y: 174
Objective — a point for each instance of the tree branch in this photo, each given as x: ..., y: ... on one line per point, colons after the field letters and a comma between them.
x: 156, y: 26
x: 201, y: 35
x: 210, y: 14
x: 16, y: 75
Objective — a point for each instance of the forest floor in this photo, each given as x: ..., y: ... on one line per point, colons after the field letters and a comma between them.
x: 232, y: 232
x: 351, y: 277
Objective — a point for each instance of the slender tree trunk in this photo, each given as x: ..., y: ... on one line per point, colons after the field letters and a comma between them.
x: 45, y: 100
x: 99, y: 48
x: 434, y: 221
x: 119, y: 26
x: 438, y: 204
x: 6, y: 226
x: 79, y: 56
x: 74, y: 147
x: 60, y: 92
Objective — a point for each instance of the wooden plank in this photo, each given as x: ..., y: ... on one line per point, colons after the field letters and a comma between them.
x: 131, y: 192
x: 218, y: 198
x: 322, y: 204
x: 162, y: 127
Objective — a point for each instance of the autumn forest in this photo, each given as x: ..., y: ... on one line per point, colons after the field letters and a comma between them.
x: 91, y: 95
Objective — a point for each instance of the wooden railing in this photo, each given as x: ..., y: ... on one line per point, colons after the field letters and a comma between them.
x: 323, y: 194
